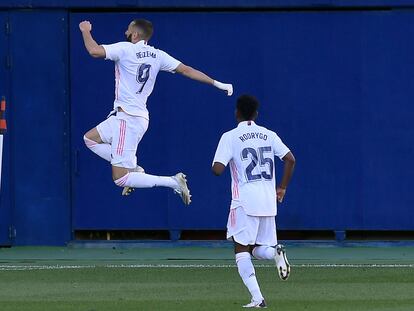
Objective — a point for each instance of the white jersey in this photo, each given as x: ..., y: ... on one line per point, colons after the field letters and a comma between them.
x: 251, y: 149
x: 136, y: 69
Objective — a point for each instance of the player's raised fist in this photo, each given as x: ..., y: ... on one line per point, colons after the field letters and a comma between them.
x: 228, y: 88
x: 85, y: 26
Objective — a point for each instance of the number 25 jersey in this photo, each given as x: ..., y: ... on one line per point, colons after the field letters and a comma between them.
x: 250, y: 151
x: 136, y: 69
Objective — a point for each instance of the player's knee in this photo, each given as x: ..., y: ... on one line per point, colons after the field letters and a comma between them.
x: 120, y: 181
x: 89, y: 142
x: 119, y: 172
x: 239, y: 248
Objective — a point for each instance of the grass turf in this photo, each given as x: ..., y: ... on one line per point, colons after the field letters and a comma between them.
x: 218, y: 289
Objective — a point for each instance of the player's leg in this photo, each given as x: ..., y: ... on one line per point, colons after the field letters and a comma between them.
x: 241, y: 229
x: 137, y: 132
x: 263, y: 252
x: 125, y: 142
x: 99, y: 140
x: 267, y: 248
x: 123, y: 178
x: 266, y: 239
x: 128, y: 190
x: 94, y: 142
x: 248, y: 275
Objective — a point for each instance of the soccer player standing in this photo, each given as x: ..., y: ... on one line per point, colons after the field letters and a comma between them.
x: 250, y: 151
x: 136, y: 67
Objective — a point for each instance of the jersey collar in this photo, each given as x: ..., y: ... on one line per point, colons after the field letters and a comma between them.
x: 246, y: 123
x: 141, y: 42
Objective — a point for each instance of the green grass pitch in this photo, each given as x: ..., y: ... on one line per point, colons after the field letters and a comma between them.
x: 134, y: 280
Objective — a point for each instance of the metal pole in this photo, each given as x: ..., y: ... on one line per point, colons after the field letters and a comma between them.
x: 1, y: 156
x: 3, y: 128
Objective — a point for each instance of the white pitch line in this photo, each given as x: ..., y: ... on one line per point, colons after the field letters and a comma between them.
x: 202, y: 266
x: 354, y: 266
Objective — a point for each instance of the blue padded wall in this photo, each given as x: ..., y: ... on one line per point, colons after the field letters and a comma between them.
x: 39, y: 127
x: 332, y: 84
x: 336, y: 85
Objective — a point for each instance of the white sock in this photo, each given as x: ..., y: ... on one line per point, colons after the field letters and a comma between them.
x: 102, y: 150
x: 247, y: 273
x: 141, y: 180
x: 264, y: 252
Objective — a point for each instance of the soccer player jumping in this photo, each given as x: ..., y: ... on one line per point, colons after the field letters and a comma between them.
x: 136, y: 67
x: 250, y: 151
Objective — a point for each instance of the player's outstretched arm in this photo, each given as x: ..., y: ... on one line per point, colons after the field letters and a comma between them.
x: 289, y: 166
x: 197, y: 75
x: 93, y: 48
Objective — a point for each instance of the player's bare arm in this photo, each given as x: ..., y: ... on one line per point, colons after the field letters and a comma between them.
x: 194, y: 74
x: 289, y: 165
x: 93, y: 48
x: 197, y: 75
x: 218, y: 168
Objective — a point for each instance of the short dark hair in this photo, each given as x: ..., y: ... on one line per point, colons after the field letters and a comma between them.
x: 144, y: 28
x: 247, y: 106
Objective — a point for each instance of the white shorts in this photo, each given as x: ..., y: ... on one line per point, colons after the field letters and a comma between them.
x: 251, y: 230
x: 123, y: 132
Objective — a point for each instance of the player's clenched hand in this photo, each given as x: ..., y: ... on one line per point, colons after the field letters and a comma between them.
x: 228, y: 88
x: 280, y: 193
x: 85, y: 26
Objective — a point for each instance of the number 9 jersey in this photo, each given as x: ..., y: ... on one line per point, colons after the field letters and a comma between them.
x: 136, y: 69
x: 250, y: 150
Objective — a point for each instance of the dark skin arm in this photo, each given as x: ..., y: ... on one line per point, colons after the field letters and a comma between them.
x: 289, y: 161
x: 218, y: 168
